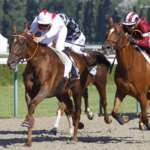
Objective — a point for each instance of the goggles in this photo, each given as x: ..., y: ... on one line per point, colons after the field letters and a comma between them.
x: 44, y: 25
x: 130, y: 25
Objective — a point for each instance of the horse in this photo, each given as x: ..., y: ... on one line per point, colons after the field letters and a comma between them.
x: 43, y: 75
x: 99, y: 81
x: 132, y: 72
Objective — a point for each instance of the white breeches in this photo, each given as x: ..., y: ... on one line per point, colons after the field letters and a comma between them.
x: 75, y: 48
x: 60, y: 46
x: 60, y: 39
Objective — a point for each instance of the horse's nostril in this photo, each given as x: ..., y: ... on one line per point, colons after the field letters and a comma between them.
x: 108, y: 47
x: 8, y: 64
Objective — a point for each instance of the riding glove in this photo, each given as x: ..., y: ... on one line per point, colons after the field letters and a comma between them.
x: 131, y: 39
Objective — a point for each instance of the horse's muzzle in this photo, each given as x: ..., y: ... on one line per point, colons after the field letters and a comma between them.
x: 11, y: 64
x: 107, y: 48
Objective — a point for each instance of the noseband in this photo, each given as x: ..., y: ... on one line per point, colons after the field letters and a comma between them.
x: 122, y: 46
x: 20, y: 56
x: 116, y: 44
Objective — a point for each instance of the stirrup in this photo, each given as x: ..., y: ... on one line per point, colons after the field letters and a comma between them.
x: 73, y: 76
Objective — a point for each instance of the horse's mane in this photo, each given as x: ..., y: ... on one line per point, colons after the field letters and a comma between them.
x: 43, y: 45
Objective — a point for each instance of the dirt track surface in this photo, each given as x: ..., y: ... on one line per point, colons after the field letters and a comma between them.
x: 96, y: 135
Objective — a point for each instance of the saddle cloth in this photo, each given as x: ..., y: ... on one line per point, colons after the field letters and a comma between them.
x: 144, y: 54
x: 65, y: 61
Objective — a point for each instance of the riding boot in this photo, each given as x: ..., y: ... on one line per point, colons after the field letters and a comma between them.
x: 73, y: 74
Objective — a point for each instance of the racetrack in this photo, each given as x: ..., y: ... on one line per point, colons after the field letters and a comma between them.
x: 96, y: 135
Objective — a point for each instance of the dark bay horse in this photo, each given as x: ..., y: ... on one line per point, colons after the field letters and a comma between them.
x: 99, y: 81
x: 132, y: 74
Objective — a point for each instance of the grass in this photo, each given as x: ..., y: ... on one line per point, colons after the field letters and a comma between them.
x: 3, y: 56
x: 49, y: 106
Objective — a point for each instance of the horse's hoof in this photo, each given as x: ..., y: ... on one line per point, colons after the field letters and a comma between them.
x: 74, y: 140
x: 28, y: 144
x: 121, y: 120
x: 81, y: 125
x: 108, y: 120
x: 25, y: 124
x: 126, y: 118
x: 91, y: 117
x: 53, y: 131
x: 142, y: 126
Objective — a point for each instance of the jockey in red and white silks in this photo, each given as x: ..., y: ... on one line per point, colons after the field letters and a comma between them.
x: 52, y: 27
x: 131, y: 22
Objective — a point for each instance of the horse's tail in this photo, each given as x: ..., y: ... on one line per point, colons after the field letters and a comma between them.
x: 101, y: 59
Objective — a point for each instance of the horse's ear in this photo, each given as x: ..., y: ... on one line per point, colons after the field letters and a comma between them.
x: 27, y: 24
x: 121, y: 22
x: 14, y: 30
x: 26, y: 28
x: 111, y: 21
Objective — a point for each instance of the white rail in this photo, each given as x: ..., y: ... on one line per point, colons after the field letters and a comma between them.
x: 110, y: 58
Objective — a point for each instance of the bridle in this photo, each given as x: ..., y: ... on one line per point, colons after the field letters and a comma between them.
x: 117, y: 43
x: 24, y: 44
x: 121, y: 47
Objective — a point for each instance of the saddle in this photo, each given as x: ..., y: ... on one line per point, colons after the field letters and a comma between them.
x: 91, y: 59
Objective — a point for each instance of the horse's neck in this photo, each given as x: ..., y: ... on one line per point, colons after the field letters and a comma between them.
x: 125, y: 57
x: 32, y: 46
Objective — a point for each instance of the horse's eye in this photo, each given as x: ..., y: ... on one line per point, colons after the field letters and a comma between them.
x: 21, y: 40
x: 118, y: 33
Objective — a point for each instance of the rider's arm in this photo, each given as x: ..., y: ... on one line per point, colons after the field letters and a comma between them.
x: 57, y: 24
x: 34, y: 26
x: 144, y: 28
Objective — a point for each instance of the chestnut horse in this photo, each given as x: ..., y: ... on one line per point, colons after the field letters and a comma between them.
x: 132, y: 74
x: 99, y: 81
x: 43, y: 73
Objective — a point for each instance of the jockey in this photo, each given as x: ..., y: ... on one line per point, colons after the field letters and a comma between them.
x: 52, y: 27
x: 75, y: 36
x: 131, y: 22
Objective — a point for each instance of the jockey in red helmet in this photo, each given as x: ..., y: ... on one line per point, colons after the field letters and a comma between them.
x: 131, y: 22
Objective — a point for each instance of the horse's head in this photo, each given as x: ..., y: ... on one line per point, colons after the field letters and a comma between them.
x: 115, y: 37
x: 17, y: 46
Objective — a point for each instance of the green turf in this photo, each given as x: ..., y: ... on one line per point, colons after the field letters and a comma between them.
x: 48, y: 107
x: 3, y: 56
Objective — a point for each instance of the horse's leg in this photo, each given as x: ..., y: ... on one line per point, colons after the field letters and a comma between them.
x: 101, y: 88
x: 29, y: 121
x: 60, y: 111
x: 141, y: 125
x: 118, y: 100
x: 70, y: 120
x: 90, y: 115
x: 144, y: 103
x: 29, y: 141
x: 77, y: 95
x: 59, y: 114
